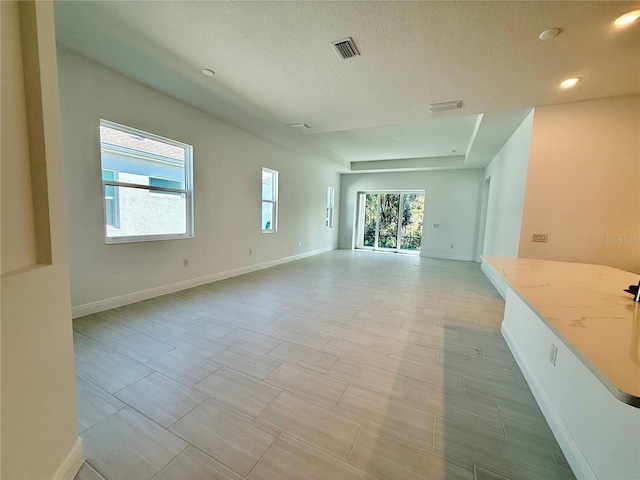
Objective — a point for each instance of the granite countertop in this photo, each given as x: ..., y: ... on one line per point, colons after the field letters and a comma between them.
x: 586, y: 307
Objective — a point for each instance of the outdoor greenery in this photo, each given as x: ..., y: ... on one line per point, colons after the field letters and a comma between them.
x: 370, y: 218
x: 412, y: 217
x: 412, y: 212
x: 388, y: 233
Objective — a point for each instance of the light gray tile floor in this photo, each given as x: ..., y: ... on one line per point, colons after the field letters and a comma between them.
x: 345, y: 365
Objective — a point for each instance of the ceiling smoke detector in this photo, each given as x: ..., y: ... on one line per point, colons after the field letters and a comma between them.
x: 345, y: 48
x: 438, y: 107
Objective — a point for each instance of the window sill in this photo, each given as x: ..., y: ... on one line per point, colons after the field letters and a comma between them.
x: 145, y: 238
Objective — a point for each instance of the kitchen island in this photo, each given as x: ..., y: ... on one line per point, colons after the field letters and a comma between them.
x: 576, y: 337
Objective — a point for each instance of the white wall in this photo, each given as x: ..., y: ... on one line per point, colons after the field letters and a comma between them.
x: 507, y: 174
x: 18, y: 239
x: 39, y: 433
x: 452, y: 199
x: 227, y: 178
x: 583, y: 185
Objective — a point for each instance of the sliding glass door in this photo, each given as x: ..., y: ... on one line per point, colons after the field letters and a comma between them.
x: 388, y: 225
x: 369, y: 213
x: 412, y: 216
x: 390, y: 221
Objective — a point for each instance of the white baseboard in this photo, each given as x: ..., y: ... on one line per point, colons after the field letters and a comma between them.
x: 71, y: 464
x: 494, y: 277
x: 576, y: 459
x: 109, y: 303
x: 446, y: 256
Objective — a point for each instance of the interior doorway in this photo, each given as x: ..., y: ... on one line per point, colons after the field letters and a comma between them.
x: 390, y: 221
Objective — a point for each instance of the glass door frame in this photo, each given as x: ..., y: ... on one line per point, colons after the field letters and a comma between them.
x: 360, y: 220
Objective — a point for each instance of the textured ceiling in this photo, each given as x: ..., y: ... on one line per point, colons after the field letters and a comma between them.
x: 428, y: 138
x: 275, y: 65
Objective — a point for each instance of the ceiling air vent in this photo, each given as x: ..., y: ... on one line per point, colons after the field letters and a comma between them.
x: 345, y: 48
x: 438, y: 107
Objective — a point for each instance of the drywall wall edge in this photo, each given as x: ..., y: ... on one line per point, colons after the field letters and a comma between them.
x: 109, y: 303
x: 72, y: 463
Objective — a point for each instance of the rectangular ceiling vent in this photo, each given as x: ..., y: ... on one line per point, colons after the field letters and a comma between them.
x: 345, y: 48
x: 438, y: 107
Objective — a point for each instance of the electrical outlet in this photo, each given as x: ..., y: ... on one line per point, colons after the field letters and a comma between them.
x: 185, y: 262
x: 539, y: 237
x: 553, y: 355
x: 436, y: 225
x: 452, y: 245
x: 250, y: 252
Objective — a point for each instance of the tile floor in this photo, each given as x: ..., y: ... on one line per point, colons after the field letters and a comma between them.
x: 345, y: 365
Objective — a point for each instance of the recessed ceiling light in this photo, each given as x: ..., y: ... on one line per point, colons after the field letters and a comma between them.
x: 627, y: 18
x: 550, y: 33
x: 570, y: 82
x: 208, y: 72
x: 392, y: 141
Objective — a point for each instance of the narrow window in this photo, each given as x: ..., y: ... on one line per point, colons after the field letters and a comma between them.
x: 269, y: 200
x: 330, y: 206
x: 147, y: 185
x: 110, y: 199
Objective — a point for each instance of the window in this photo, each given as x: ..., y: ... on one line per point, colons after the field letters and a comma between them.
x: 390, y: 221
x: 147, y: 185
x: 269, y: 200
x: 110, y: 200
x: 330, y: 206
x: 166, y: 183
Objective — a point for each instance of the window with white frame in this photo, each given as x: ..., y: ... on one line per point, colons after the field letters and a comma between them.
x: 110, y: 199
x: 330, y: 206
x: 167, y: 183
x: 147, y: 185
x: 269, y: 200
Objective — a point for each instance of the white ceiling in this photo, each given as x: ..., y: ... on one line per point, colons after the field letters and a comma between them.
x: 275, y: 65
